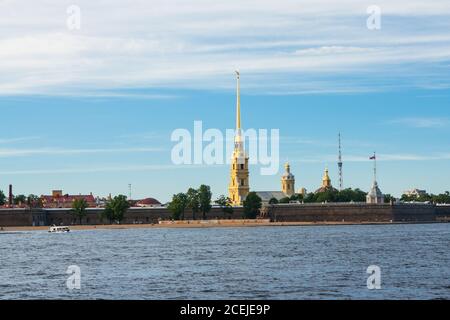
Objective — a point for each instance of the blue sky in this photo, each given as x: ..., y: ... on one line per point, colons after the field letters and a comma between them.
x: 92, y: 110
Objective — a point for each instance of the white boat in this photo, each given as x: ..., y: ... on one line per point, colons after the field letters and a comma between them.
x: 58, y: 229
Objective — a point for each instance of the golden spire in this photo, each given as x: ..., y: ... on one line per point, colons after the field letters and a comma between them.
x: 326, y: 181
x: 238, y: 104
x: 287, y: 167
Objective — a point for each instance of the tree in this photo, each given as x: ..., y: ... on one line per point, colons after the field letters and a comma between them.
x: 34, y: 201
x: 330, y: 195
x: 285, y: 200
x: 443, y: 198
x: 20, y: 199
x: 115, y: 208
x: 350, y: 195
x: 2, y: 198
x: 252, y: 204
x: 178, y: 205
x: 225, y: 205
x: 204, y: 195
x: 79, y: 208
x: 273, y: 201
x: 193, y: 201
x: 388, y: 198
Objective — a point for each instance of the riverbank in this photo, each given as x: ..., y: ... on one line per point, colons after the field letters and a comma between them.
x: 222, y: 224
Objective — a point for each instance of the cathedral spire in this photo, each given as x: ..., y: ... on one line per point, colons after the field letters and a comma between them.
x: 326, y: 181
x: 239, y: 185
x: 238, y: 103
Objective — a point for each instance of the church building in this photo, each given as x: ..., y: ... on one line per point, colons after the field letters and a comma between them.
x: 326, y: 183
x: 238, y: 188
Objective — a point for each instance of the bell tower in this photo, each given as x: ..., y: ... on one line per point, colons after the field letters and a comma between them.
x: 326, y: 181
x: 238, y: 188
x: 288, y: 181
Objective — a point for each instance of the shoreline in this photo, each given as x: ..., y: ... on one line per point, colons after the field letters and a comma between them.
x: 208, y: 226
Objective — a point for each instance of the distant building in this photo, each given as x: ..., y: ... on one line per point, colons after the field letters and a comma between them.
x: 375, y: 196
x: 287, y: 187
x: 148, y: 203
x: 59, y: 200
x: 288, y: 181
x: 302, y: 191
x: 238, y: 188
x: 266, y: 196
x: 326, y: 183
x: 415, y: 193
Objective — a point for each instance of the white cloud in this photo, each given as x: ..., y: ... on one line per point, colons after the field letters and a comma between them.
x: 18, y: 139
x: 103, y: 168
x: 422, y: 122
x: 198, y: 44
x: 62, y: 152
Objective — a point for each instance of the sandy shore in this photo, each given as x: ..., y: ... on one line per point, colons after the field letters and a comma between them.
x: 221, y: 224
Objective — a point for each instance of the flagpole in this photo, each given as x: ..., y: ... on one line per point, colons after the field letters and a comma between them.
x: 375, y: 166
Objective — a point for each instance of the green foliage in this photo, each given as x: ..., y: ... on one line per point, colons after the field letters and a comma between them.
x: 388, y: 198
x: 285, y: 200
x: 2, y: 198
x: 20, y: 199
x: 333, y: 195
x: 193, y: 201
x: 79, y: 208
x: 225, y: 204
x: 273, y: 201
x: 115, y: 208
x: 34, y: 201
x: 252, y: 204
x: 178, y: 205
x: 204, y: 194
x: 443, y: 198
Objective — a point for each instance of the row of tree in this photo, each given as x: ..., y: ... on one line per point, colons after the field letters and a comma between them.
x: 195, y: 200
x: 198, y: 201
x: 331, y: 195
x: 31, y: 200
x: 115, y: 209
x: 443, y: 198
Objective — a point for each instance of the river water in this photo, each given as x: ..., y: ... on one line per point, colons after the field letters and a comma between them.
x: 317, y: 262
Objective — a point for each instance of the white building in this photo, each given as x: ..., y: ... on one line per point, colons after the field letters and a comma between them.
x: 375, y: 196
x: 415, y: 192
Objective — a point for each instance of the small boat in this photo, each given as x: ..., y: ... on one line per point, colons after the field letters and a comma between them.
x: 58, y: 229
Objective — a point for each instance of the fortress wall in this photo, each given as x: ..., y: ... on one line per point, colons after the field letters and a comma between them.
x: 134, y: 215
x: 356, y: 213
x: 15, y: 217
x: 351, y: 213
x: 411, y: 212
x: 443, y: 213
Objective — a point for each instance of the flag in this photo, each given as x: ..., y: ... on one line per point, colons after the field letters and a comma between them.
x: 373, y: 157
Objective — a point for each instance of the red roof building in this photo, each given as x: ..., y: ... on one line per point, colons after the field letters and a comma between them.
x: 60, y: 200
x: 148, y: 202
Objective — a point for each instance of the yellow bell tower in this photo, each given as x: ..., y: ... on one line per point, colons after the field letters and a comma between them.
x: 326, y: 181
x: 288, y: 181
x: 238, y: 188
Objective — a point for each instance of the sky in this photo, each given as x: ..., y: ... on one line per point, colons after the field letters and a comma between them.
x: 92, y: 109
